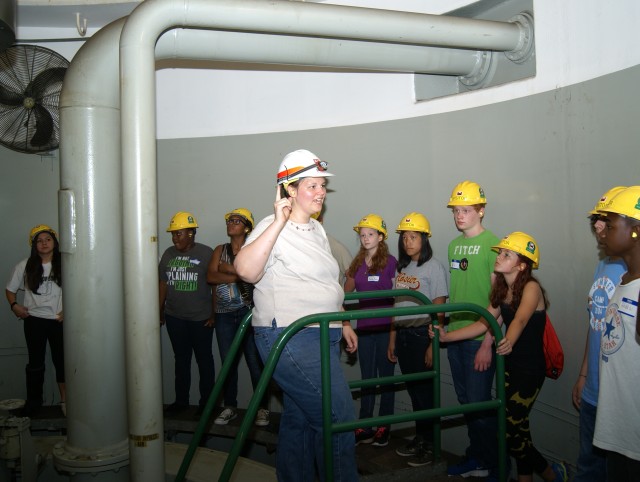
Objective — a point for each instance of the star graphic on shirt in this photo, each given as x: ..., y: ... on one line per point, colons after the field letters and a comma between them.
x: 608, y: 329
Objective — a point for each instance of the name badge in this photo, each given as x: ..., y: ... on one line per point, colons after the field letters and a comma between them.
x: 628, y: 307
x: 373, y: 278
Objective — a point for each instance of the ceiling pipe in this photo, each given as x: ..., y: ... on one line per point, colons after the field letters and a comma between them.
x: 109, y: 231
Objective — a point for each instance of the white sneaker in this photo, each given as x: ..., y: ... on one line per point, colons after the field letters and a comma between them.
x: 226, y: 416
x: 262, y: 417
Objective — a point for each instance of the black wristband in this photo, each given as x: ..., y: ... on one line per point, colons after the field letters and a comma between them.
x: 14, y: 303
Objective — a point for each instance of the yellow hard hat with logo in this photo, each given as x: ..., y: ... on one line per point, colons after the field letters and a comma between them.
x: 415, y: 222
x: 182, y: 220
x: 606, y: 197
x: 522, y: 244
x: 625, y: 203
x: 467, y: 193
x: 243, y: 213
x: 40, y: 228
x: 372, y: 221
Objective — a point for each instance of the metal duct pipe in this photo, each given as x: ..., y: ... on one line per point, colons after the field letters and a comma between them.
x: 319, y: 52
x: 91, y: 200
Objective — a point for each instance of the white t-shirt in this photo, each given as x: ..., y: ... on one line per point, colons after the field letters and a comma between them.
x: 618, y: 420
x: 48, y: 302
x: 300, y: 277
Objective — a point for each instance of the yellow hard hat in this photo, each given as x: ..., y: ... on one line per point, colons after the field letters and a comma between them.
x: 626, y: 203
x: 372, y: 221
x: 243, y: 213
x: 467, y: 193
x: 299, y: 164
x: 606, y: 197
x: 182, y: 220
x: 521, y: 243
x: 40, y: 228
x: 415, y: 222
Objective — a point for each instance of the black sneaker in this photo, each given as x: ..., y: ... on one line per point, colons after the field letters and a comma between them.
x: 423, y: 457
x: 381, y: 438
x: 364, y: 436
x: 412, y: 449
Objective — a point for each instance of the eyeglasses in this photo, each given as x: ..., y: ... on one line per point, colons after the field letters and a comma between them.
x: 463, y: 211
x: 234, y: 221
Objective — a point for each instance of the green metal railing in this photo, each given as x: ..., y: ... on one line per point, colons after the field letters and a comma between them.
x: 329, y: 428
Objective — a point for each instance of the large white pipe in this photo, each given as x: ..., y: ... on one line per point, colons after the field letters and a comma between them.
x: 91, y: 245
x: 317, y: 52
x: 91, y: 198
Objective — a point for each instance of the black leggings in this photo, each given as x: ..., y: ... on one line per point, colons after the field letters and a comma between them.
x: 37, y: 331
x: 521, y: 390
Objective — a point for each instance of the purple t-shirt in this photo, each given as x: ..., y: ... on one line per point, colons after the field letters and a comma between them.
x: 372, y: 282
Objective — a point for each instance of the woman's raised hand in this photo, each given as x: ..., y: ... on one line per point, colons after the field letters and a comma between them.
x: 282, y: 207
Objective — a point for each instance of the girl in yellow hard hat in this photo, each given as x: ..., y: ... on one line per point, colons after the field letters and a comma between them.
x: 373, y: 269
x: 520, y: 300
x: 40, y: 277
x: 409, y: 342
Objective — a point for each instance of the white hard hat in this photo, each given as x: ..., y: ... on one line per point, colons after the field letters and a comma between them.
x: 299, y: 164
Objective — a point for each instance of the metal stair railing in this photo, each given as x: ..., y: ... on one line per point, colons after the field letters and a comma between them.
x: 329, y: 428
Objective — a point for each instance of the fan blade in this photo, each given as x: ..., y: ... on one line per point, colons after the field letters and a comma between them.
x: 44, y: 127
x: 38, y: 86
x: 9, y: 97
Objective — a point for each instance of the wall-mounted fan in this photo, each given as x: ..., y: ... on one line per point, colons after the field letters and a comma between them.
x: 30, y: 84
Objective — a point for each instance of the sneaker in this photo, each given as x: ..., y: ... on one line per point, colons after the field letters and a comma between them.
x: 381, y: 438
x: 423, y: 457
x: 469, y: 467
x: 364, y: 436
x: 262, y: 417
x: 226, y: 416
x: 412, y: 449
x: 560, y: 470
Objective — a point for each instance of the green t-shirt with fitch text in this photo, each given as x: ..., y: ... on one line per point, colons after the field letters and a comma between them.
x: 471, y: 262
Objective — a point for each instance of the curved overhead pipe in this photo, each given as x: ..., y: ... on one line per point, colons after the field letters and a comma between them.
x: 95, y: 186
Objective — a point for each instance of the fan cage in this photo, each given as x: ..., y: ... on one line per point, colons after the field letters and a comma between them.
x: 30, y: 84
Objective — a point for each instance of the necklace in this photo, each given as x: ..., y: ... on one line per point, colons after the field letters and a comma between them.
x: 300, y: 228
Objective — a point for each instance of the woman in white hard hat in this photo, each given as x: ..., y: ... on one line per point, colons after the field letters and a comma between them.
x: 40, y: 276
x: 234, y: 299
x: 518, y: 297
x: 186, y: 306
x: 287, y: 258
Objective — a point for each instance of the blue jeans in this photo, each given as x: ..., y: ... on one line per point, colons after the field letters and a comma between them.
x: 227, y: 325
x: 474, y: 386
x: 189, y: 337
x: 411, y: 346
x: 300, y: 436
x: 372, y: 356
x: 592, y: 461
